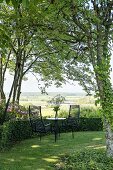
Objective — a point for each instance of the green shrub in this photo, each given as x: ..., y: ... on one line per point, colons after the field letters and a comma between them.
x: 1, y: 129
x: 84, y: 124
x: 90, y: 124
x: 87, y: 112
x: 15, y: 131
x: 63, y: 113
x: 90, y: 112
x: 85, y: 160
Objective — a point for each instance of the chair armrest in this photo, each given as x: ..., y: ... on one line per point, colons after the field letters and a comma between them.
x: 49, y: 124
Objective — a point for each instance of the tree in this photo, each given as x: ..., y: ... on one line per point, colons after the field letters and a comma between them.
x: 28, y: 48
x: 86, y: 27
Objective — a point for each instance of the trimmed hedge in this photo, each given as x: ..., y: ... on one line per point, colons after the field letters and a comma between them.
x: 90, y: 124
x: 15, y: 131
x: 85, y: 124
x: 1, y: 129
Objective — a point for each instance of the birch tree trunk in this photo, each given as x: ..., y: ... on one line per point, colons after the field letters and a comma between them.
x: 109, y: 140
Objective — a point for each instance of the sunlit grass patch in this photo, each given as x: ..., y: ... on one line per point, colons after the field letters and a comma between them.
x: 34, y: 154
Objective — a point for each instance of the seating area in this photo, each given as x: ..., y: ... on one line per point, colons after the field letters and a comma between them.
x: 69, y: 123
x: 42, y: 151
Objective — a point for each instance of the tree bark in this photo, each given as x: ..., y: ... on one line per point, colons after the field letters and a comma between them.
x: 0, y: 77
x: 2, y: 94
x: 109, y: 140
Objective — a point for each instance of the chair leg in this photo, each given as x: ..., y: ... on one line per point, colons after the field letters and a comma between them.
x: 72, y: 133
x: 59, y: 132
x: 56, y: 135
x: 40, y: 136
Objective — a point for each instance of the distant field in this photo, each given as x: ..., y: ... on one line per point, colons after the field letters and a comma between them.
x: 42, y: 100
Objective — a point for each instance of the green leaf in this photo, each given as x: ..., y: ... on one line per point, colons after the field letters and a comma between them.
x: 1, y: 1
x: 15, y: 3
x: 25, y: 3
x: 7, y: 1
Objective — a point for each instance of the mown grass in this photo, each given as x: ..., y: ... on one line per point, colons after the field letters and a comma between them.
x: 34, y: 154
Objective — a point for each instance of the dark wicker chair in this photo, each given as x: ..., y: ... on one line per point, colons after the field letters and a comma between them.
x: 74, y: 111
x: 72, y: 121
x: 36, y: 121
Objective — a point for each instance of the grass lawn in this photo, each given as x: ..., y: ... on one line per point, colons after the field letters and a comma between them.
x: 34, y: 154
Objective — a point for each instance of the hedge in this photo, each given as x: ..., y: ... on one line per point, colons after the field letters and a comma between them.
x: 1, y: 129
x: 15, y: 131
x: 85, y: 124
x: 90, y: 124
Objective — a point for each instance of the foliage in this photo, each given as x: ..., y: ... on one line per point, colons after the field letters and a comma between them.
x: 56, y: 102
x: 84, y: 124
x: 28, y: 47
x: 16, y: 3
x: 90, y: 112
x: 76, y: 32
x: 1, y: 129
x: 15, y: 131
x: 85, y: 160
x: 86, y: 112
x: 85, y: 30
x: 18, y: 111
x: 10, y: 115
x: 63, y: 113
x: 14, y: 111
x: 90, y: 124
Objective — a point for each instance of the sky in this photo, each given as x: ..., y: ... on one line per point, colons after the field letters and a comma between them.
x: 31, y: 85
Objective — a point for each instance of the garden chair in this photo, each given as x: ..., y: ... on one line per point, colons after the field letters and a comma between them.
x: 74, y: 111
x: 36, y: 121
x: 72, y: 121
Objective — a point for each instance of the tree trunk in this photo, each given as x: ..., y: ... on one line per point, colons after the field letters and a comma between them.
x: 15, y: 85
x: 17, y: 72
x: 0, y: 77
x: 19, y: 89
x: 2, y: 94
x: 21, y: 74
x: 8, y: 101
x: 109, y: 140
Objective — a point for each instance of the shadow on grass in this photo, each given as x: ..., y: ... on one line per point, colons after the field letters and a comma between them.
x: 34, y: 154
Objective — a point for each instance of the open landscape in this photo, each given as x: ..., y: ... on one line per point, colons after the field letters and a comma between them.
x: 38, y: 99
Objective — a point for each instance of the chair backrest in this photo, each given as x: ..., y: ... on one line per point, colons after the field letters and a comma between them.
x: 35, y: 111
x: 35, y: 117
x: 74, y: 111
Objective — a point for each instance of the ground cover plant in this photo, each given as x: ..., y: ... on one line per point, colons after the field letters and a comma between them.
x: 86, y: 160
x: 45, y: 154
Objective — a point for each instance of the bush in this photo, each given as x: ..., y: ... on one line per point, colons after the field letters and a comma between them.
x: 1, y: 129
x: 90, y: 112
x: 84, y: 124
x: 63, y: 113
x: 85, y: 160
x: 86, y: 112
x: 90, y: 124
x: 15, y: 131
